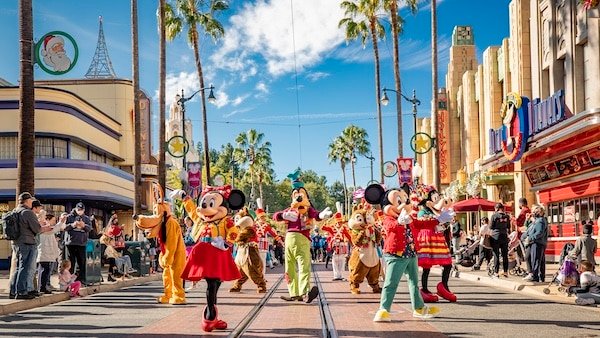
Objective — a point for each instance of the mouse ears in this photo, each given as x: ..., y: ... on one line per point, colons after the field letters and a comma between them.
x: 236, y: 199
x: 374, y: 193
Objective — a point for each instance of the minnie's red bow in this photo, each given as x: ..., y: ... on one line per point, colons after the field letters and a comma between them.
x: 223, y: 190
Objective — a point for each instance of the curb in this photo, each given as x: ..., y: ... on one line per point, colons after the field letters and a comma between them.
x: 510, y: 285
x: 23, y: 305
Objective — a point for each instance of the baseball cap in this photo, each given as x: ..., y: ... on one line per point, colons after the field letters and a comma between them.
x: 80, y: 206
x: 24, y: 196
x: 36, y: 203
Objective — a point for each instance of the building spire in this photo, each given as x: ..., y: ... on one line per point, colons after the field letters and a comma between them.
x: 101, y: 67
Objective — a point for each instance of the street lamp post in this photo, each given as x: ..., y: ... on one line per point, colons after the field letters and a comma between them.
x: 371, y: 159
x: 415, y: 102
x: 181, y: 102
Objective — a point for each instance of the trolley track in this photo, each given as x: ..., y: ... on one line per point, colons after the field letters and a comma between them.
x: 327, y: 329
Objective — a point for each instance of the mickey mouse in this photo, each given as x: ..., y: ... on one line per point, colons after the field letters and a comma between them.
x: 399, y: 250
x: 214, y: 233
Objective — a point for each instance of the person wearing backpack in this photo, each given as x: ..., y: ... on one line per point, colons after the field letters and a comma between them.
x: 500, y: 224
x: 77, y: 231
x: 24, y: 246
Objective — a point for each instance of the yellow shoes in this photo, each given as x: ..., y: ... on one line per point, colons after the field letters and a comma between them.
x: 426, y: 312
x: 382, y: 316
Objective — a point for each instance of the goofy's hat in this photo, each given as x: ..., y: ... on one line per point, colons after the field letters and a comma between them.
x: 295, y: 178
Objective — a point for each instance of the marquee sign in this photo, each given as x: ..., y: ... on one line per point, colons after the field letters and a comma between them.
x: 522, y: 119
x: 56, y: 53
x: 566, y: 166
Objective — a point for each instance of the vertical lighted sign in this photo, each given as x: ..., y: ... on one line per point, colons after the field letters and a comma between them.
x: 443, y: 134
x: 405, y: 166
x: 145, y: 150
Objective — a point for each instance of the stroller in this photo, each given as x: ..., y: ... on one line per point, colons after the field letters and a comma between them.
x: 466, y: 256
x: 516, y: 256
x: 567, y: 275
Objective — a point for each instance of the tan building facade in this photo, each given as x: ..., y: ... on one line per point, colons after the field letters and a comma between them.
x: 533, y: 101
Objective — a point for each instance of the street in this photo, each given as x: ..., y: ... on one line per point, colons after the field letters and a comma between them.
x: 482, y: 311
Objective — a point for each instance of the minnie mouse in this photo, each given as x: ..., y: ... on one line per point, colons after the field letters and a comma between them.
x: 399, y: 250
x: 214, y: 233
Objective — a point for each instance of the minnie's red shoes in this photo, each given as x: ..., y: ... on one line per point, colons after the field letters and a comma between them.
x: 215, y: 324
x: 445, y: 293
x: 429, y: 297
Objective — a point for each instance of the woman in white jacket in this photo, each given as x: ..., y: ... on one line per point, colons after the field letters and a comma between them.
x: 48, y: 251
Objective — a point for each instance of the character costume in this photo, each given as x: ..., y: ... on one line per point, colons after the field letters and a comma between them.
x: 432, y: 246
x: 247, y: 257
x: 399, y: 251
x: 162, y: 225
x: 364, y: 260
x: 214, y: 232
x: 299, y: 217
x: 263, y: 229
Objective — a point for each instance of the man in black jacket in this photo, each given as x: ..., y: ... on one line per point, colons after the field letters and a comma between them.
x: 500, y: 224
x: 76, y: 236
x: 24, y: 247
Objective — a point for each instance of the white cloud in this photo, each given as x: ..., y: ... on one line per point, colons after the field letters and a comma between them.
x: 316, y: 76
x: 222, y: 99
x: 174, y: 83
x: 262, y: 87
x: 238, y: 100
x: 265, y: 28
x: 237, y: 111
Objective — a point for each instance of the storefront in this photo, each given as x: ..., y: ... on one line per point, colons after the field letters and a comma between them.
x: 563, y: 167
x: 559, y: 152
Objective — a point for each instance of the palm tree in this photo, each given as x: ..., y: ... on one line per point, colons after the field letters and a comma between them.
x: 263, y: 170
x: 253, y: 151
x: 338, y: 152
x: 391, y: 6
x: 362, y: 22
x: 355, y: 140
x: 190, y: 14
x: 434, y: 89
x: 26, y: 137
x: 137, y: 161
x: 162, y: 168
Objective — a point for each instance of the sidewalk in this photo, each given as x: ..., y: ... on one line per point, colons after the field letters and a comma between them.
x: 15, y: 305
x: 515, y: 283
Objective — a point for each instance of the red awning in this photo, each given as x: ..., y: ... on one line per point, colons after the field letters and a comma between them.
x: 476, y: 204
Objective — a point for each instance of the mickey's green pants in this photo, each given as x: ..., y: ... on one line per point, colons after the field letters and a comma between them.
x: 396, y: 267
x: 297, y: 255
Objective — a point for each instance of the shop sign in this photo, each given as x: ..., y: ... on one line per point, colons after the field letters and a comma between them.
x: 56, y: 53
x: 522, y: 119
x: 149, y: 169
x: 566, y: 166
x: 569, y: 214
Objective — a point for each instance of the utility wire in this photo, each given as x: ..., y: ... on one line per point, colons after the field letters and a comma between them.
x: 296, y: 79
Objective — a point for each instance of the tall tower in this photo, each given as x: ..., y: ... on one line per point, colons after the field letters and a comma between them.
x: 101, y: 67
x: 174, y: 127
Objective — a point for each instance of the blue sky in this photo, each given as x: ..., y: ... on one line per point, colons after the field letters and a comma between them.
x: 252, y: 68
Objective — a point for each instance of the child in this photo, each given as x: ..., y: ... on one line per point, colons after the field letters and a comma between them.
x: 589, y: 292
x: 585, y: 247
x: 67, y: 280
x: 123, y: 263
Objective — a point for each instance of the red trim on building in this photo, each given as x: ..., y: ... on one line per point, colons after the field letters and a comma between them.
x: 570, y: 191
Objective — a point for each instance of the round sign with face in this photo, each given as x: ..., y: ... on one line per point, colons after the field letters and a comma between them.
x: 390, y: 169
x: 56, y: 53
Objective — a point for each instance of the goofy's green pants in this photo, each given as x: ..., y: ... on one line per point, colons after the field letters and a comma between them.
x: 297, y: 256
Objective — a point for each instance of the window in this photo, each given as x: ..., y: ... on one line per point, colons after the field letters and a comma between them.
x: 61, y: 148
x: 8, y: 148
x: 584, y: 210
x: 96, y: 157
x: 78, y: 152
x: 43, y: 147
x: 554, y: 212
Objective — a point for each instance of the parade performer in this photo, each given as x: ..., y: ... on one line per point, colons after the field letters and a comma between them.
x: 162, y: 225
x: 399, y: 251
x: 364, y: 261
x: 433, y: 248
x: 299, y: 217
x: 214, y: 232
x: 263, y: 228
x: 247, y: 257
x: 338, y: 241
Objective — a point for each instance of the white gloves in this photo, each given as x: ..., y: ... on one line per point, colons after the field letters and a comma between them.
x: 446, y: 216
x: 404, y: 218
x: 290, y: 215
x: 440, y: 228
x: 177, y: 194
x: 219, y: 243
x: 325, y: 214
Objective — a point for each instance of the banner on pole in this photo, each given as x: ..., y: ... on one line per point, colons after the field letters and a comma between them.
x: 405, y: 166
